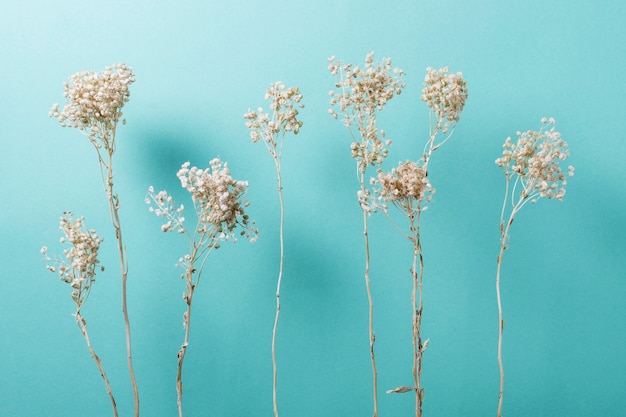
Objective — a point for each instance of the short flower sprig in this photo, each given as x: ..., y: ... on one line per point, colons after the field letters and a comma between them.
x: 271, y: 129
x: 78, y: 268
x: 533, y: 162
x: 93, y: 105
x: 445, y: 94
x: 358, y: 96
x: 220, y: 211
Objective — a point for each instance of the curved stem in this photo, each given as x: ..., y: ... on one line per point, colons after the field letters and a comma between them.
x: 280, y: 277
x: 200, y: 248
x: 504, y: 231
x: 82, y: 325
x: 114, y: 211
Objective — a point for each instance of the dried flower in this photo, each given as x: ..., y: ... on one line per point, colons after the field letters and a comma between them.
x: 535, y: 158
x: 406, y: 182
x: 359, y: 94
x: 78, y: 269
x: 284, y: 102
x: 217, y: 198
x: 534, y: 161
x: 445, y: 94
x: 94, y: 100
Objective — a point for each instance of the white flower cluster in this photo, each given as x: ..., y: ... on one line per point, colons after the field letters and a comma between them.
x: 217, y: 197
x: 406, y: 182
x: 360, y: 92
x: 79, y: 266
x: 535, y: 158
x: 445, y: 94
x: 165, y: 208
x: 94, y: 100
x: 284, y: 102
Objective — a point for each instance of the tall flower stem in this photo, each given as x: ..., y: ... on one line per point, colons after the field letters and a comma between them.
x: 190, y: 288
x: 279, y: 281
x: 201, y: 245
x: 181, y: 358
x: 114, y: 205
x: 418, y: 305
x: 271, y: 129
x: 504, y: 232
x: 372, y: 334
x: 82, y: 325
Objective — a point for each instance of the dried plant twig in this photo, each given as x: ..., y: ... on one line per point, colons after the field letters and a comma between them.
x: 94, y: 104
x: 534, y: 161
x: 359, y: 94
x: 409, y: 188
x: 78, y: 269
x: 220, y: 212
x: 271, y: 129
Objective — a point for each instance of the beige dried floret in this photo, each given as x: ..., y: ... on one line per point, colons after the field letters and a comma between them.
x: 407, y: 181
x: 535, y: 158
x: 94, y: 100
x: 445, y: 94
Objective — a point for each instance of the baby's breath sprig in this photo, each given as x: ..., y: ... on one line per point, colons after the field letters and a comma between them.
x: 534, y: 162
x: 220, y: 211
x: 78, y: 269
x: 93, y: 105
x: 284, y: 104
x: 359, y: 94
x: 408, y: 188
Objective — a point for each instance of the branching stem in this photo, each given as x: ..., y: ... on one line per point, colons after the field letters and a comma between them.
x: 107, y: 165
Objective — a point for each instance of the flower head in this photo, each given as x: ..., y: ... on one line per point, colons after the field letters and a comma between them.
x: 364, y: 90
x: 284, y: 103
x: 94, y: 100
x: 535, y: 159
x: 81, y: 258
x: 445, y: 94
x: 359, y: 94
x: 406, y: 182
x: 217, y: 197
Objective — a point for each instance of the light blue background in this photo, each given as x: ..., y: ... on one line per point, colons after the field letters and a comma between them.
x: 199, y: 66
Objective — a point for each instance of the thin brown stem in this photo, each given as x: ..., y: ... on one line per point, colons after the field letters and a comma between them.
x: 82, y: 325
